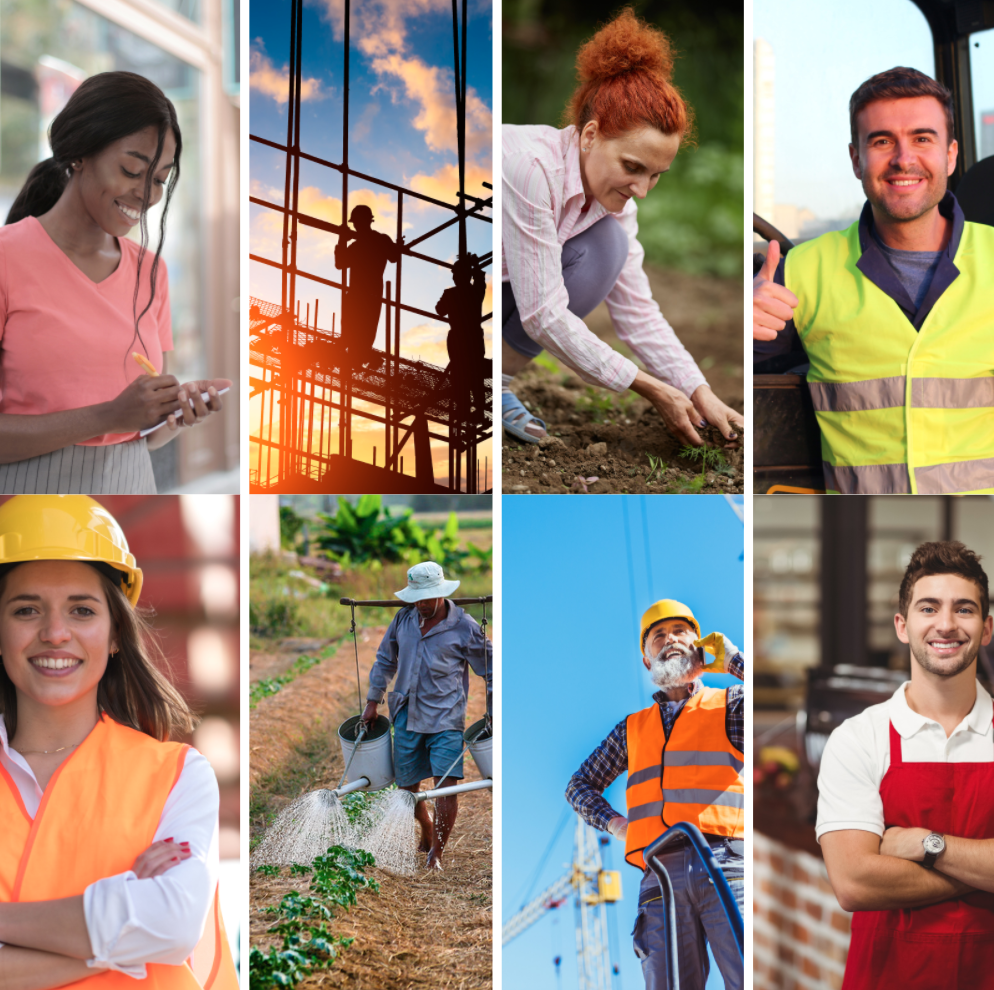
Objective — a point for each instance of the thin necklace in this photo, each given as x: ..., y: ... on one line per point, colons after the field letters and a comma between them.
x: 46, y: 752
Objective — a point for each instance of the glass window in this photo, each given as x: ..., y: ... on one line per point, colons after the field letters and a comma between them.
x: 187, y: 8
x: 47, y: 48
x: 982, y: 83
x: 813, y: 63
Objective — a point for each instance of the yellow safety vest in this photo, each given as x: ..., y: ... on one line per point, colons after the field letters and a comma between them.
x: 900, y: 411
x: 695, y: 776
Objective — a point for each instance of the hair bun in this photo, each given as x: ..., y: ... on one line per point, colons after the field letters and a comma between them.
x: 626, y: 44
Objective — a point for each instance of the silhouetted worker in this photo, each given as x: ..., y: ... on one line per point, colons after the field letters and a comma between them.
x: 367, y: 258
x: 463, y: 305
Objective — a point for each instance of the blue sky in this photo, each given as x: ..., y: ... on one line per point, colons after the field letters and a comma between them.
x: 401, y: 129
x: 571, y: 672
x: 814, y: 80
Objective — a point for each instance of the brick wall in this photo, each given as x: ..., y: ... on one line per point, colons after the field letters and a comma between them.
x: 800, y: 934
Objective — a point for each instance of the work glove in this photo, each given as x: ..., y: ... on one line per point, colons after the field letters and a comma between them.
x: 618, y: 827
x: 720, y: 647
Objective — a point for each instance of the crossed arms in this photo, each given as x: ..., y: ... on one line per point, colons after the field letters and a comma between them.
x: 873, y: 873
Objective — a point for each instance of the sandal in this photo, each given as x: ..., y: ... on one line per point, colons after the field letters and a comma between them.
x: 515, y: 417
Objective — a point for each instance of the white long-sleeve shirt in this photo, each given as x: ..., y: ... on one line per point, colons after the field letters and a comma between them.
x: 543, y: 202
x: 132, y: 922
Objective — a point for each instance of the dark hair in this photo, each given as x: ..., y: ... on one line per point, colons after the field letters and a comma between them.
x: 899, y: 83
x: 133, y: 691
x: 105, y: 108
x: 624, y: 72
x: 948, y: 557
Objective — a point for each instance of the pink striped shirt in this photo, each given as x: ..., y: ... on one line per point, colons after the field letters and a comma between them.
x: 542, y: 209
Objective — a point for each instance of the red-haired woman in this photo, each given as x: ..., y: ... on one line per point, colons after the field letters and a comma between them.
x: 570, y: 238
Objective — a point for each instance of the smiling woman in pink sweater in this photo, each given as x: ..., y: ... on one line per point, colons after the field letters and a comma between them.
x: 77, y: 298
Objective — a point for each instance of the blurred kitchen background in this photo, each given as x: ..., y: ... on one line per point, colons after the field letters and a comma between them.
x: 826, y: 576
x: 189, y: 49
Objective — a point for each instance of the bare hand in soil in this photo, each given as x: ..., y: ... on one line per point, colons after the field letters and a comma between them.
x: 676, y: 410
x: 722, y: 417
x: 772, y: 305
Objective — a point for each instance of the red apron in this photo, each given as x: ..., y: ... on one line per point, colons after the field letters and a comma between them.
x: 944, y: 946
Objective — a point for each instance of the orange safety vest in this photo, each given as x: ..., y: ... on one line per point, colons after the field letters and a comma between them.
x: 695, y: 776
x: 99, y: 812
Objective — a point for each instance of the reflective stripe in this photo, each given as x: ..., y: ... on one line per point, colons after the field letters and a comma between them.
x: 958, y: 476
x: 952, y: 393
x: 701, y: 758
x: 876, y: 393
x: 641, y: 776
x: 696, y: 795
x: 652, y: 809
x: 868, y: 479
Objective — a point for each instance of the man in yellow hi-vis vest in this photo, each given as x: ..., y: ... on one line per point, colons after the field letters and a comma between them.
x: 896, y: 313
x: 683, y: 757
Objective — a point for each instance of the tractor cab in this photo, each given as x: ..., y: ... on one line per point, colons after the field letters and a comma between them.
x: 786, y: 440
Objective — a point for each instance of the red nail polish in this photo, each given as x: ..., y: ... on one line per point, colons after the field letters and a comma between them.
x: 170, y: 839
x: 175, y: 859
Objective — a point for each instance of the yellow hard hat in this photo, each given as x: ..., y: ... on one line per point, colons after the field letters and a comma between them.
x: 66, y: 527
x: 667, y: 608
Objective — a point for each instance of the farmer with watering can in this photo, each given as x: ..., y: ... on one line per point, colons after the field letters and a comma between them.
x: 429, y: 647
x: 683, y: 757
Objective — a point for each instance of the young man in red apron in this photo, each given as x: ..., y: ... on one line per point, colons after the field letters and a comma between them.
x: 906, y: 795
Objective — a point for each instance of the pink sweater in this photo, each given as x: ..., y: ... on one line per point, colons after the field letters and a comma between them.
x: 66, y: 341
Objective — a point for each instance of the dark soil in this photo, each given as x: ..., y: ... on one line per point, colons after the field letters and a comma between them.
x: 597, y: 433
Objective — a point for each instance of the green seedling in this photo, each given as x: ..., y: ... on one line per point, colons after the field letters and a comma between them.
x: 268, y: 870
x: 711, y: 459
x: 656, y: 467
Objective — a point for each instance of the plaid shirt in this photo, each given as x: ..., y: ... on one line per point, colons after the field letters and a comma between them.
x: 610, y: 760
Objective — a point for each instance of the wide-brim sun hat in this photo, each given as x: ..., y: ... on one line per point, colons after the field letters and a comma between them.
x: 426, y: 580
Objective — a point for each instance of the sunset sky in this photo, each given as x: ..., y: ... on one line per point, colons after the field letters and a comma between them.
x: 402, y: 129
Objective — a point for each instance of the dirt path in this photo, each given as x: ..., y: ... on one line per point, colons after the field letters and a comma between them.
x: 603, y: 435
x: 429, y: 931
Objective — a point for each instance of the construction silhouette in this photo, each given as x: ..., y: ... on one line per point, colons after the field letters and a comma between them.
x: 313, y: 382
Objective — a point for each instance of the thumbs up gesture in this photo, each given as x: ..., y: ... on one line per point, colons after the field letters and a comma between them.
x: 772, y: 305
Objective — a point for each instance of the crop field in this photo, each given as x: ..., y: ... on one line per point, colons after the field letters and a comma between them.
x: 620, y: 440
x: 426, y: 931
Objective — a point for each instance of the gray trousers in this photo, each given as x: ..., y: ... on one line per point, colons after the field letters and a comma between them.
x: 113, y: 469
x: 701, y: 920
x: 592, y: 262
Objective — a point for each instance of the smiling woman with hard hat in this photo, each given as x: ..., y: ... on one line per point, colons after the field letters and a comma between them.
x: 109, y: 861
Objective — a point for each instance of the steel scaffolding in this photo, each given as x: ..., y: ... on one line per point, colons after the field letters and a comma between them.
x: 310, y: 388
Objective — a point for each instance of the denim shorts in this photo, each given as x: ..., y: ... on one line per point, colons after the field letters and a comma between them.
x: 419, y: 755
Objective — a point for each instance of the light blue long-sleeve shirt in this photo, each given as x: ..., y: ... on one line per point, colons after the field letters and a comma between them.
x: 432, y: 671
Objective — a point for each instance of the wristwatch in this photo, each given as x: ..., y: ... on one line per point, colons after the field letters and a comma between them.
x: 934, y: 845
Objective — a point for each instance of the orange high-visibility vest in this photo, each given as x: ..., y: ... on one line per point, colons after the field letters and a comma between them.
x: 694, y: 777
x: 99, y: 812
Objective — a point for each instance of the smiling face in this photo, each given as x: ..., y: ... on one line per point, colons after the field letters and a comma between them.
x: 112, y: 182
x: 615, y: 169
x: 56, y: 633
x: 904, y: 156
x: 669, y: 653
x: 944, y: 626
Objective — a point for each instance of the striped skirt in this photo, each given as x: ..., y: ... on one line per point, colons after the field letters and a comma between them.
x: 114, y: 469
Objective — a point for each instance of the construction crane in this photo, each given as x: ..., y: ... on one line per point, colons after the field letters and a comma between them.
x: 593, y: 889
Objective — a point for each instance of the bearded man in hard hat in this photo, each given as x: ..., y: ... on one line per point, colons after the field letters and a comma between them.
x: 366, y: 258
x: 429, y: 647
x: 683, y: 757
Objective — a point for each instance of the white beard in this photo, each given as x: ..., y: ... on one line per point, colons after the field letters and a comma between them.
x: 674, y: 672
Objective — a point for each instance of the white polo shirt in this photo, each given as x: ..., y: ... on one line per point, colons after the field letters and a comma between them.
x: 857, y: 756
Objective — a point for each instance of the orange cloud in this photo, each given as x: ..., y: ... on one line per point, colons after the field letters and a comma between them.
x: 265, y: 78
x: 443, y: 184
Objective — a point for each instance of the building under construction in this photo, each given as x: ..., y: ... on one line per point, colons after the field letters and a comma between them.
x: 315, y: 383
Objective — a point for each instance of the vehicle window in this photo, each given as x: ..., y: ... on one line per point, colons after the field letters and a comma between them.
x: 982, y: 83
x: 810, y: 59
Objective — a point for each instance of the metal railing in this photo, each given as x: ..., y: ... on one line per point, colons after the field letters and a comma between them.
x: 725, y: 896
